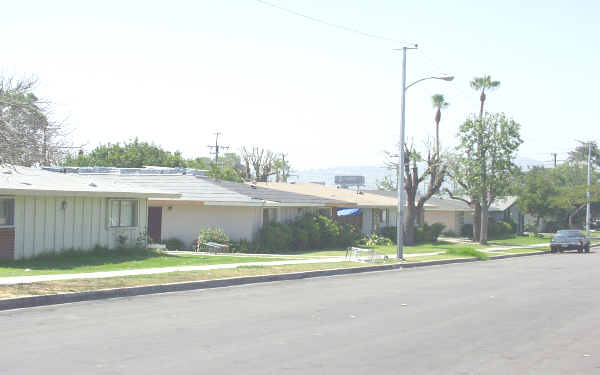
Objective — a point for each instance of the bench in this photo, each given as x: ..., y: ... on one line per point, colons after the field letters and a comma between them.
x: 212, y: 247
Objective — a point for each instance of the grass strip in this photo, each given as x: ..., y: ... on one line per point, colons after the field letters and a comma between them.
x: 79, y: 285
x: 467, y: 252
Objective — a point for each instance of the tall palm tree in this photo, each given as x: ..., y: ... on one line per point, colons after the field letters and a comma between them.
x: 438, y: 103
x: 483, y: 83
x: 481, y: 209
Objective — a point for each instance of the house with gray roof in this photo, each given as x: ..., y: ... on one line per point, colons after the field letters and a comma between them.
x: 239, y: 209
x: 45, y: 212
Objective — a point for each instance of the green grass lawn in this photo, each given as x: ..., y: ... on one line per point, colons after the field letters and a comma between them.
x: 77, y: 262
x: 440, y: 246
x: 520, y: 241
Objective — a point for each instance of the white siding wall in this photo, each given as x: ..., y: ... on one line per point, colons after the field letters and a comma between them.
x: 185, y: 222
x: 42, y: 225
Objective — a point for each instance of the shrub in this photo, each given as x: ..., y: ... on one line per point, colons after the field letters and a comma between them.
x: 501, y: 228
x: 243, y: 246
x: 429, y: 233
x: 276, y: 237
x: 466, y: 230
x: 213, y: 235
x: 389, y: 232
x: 450, y: 233
x: 349, y: 235
x: 306, y: 233
x: 329, y: 230
x: 174, y: 244
x: 374, y: 240
x: 467, y: 251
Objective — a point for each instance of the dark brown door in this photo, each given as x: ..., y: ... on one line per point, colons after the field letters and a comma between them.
x: 154, y: 223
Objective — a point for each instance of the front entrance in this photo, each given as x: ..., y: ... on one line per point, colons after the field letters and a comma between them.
x: 155, y: 223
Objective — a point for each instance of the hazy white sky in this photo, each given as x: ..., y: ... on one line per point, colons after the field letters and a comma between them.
x: 174, y: 72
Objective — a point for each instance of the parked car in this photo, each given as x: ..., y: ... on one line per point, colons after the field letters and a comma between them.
x: 568, y: 240
x: 595, y: 223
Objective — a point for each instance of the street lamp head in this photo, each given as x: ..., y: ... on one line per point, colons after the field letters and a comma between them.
x: 448, y: 78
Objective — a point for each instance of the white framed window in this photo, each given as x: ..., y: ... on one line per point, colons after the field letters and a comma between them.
x: 7, y: 211
x: 122, y: 213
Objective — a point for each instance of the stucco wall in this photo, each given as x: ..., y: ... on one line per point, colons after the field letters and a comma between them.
x: 42, y: 225
x: 185, y: 221
x: 450, y: 219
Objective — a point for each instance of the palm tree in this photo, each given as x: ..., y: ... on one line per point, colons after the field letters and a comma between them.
x: 483, y: 83
x: 481, y: 209
x: 438, y: 103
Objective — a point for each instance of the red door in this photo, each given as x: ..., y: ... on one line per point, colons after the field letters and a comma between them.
x: 154, y: 223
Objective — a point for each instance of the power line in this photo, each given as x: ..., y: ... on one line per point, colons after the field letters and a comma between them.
x: 217, y: 147
x: 326, y: 23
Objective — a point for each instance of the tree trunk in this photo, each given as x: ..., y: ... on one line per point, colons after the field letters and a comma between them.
x: 476, y: 221
x: 410, y: 237
x: 483, y: 237
x: 482, y: 100
x: 437, y: 138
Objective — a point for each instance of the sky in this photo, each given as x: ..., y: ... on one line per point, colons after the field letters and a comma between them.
x: 175, y: 72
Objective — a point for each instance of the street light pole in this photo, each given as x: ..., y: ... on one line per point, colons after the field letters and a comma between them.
x: 589, y: 182
x: 400, y: 212
x: 400, y: 184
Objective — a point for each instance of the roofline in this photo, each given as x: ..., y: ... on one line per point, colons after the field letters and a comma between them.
x: 197, y: 202
x: 106, y: 194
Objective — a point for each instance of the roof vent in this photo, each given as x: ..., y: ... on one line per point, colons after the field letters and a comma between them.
x: 26, y: 183
x: 93, y: 184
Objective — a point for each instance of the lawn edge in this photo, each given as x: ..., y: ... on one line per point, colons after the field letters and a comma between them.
x: 62, y: 298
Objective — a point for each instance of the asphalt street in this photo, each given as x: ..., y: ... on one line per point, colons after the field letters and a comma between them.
x: 531, y: 315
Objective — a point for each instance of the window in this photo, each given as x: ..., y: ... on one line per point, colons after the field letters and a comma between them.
x: 122, y: 213
x: 7, y: 211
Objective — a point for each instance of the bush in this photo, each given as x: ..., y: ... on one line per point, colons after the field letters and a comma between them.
x: 466, y: 230
x: 276, y: 237
x: 330, y: 232
x: 243, y: 246
x: 306, y: 233
x: 429, y: 233
x: 349, y: 235
x: 450, y: 233
x: 374, y: 240
x: 213, y: 235
x: 174, y: 244
x: 501, y: 228
x: 389, y: 232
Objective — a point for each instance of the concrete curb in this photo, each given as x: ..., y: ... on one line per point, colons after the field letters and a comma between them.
x: 55, y: 299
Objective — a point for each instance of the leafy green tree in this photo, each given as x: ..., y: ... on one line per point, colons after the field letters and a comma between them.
x: 580, y: 154
x: 536, y: 189
x: 488, y: 145
x: 133, y: 154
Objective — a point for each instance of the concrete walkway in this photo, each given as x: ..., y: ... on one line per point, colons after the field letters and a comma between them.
x: 151, y: 271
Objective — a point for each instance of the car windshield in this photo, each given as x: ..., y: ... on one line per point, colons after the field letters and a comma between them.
x: 569, y: 233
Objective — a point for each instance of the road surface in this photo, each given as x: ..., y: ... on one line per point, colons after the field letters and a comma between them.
x: 532, y: 315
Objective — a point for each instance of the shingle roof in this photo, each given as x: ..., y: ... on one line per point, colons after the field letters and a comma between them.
x: 351, y: 197
x: 279, y: 196
x: 24, y: 180
x: 191, y: 188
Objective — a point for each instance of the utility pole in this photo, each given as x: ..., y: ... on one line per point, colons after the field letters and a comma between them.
x: 554, y: 154
x: 217, y: 147
x: 589, y: 182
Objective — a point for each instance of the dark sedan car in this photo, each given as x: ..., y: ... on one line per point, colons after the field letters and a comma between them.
x: 569, y: 240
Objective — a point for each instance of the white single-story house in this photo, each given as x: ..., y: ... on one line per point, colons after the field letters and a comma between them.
x: 45, y: 212
x: 454, y: 213
x: 240, y: 210
x: 374, y: 211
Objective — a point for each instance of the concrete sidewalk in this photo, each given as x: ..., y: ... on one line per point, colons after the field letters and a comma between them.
x: 151, y: 271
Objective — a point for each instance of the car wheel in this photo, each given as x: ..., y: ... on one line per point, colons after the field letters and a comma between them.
x: 552, y: 249
x: 587, y: 249
x: 580, y: 249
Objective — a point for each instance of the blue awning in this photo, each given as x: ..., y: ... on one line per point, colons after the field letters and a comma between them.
x: 349, y: 212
